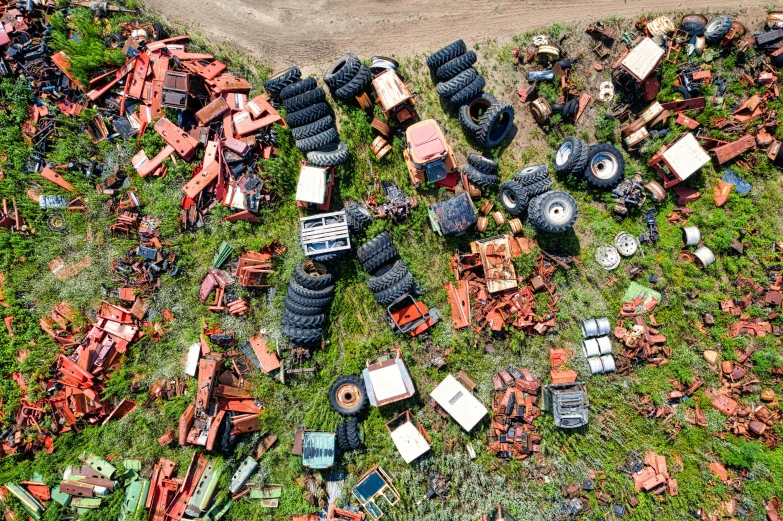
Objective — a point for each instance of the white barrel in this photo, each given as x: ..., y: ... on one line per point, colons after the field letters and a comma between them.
x: 607, y: 361
x: 704, y: 256
x: 590, y: 347
x: 604, y: 326
x: 691, y: 235
x: 589, y: 328
x: 596, y: 367
x: 604, y: 345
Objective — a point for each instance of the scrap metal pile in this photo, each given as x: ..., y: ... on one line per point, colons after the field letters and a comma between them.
x: 512, y: 435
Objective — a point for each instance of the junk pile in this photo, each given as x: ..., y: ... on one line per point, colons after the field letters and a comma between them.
x: 637, y: 330
x: 652, y: 475
x: 512, y: 435
x: 767, y: 298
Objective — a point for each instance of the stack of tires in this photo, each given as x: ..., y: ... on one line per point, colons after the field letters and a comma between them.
x: 550, y: 211
x: 390, y: 278
x: 483, y: 117
x: 310, y: 292
x: 359, y: 217
x: 309, y: 116
x: 602, y: 165
x: 481, y: 172
x: 347, y: 77
x: 348, y: 397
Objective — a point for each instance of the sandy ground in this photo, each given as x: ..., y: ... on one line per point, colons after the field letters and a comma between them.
x: 311, y: 33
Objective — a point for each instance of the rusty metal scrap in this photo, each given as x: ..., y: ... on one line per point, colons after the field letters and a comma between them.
x: 514, y: 409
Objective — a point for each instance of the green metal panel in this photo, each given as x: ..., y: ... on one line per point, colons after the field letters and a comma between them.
x: 218, y: 510
x: 89, y: 503
x: 31, y: 505
x: 101, y: 466
x: 135, y: 497
x: 132, y: 464
x: 224, y: 252
x: 318, y: 450
x: 205, y: 490
x: 61, y: 497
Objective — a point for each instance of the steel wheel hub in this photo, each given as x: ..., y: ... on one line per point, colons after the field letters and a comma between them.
x: 509, y: 198
x: 563, y: 153
x: 348, y: 396
x: 603, y: 165
x: 558, y: 212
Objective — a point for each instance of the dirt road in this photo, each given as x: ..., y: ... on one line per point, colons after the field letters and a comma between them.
x: 310, y: 33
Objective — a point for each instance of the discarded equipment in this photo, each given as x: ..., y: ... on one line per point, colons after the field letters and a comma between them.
x: 567, y: 402
x: 452, y: 398
x: 428, y: 155
x: 387, y: 380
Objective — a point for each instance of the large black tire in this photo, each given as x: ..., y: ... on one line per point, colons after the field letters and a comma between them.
x: 297, y: 88
x: 374, y: 263
x: 298, y: 309
x: 373, y: 246
x: 347, y: 396
x: 683, y: 92
x: 457, y: 83
x: 342, y: 437
x: 296, y: 298
x: 303, y: 321
x: 352, y: 433
x: 314, y: 294
x: 538, y: 188
x: 356, y: 85
x: 317, y: 142
x: 384, y: 280
x: 445, y: 54
x: 332, y: 155
x: 342, y: 70
x: 305, y: 337
x: 531, y: 174
x: 513, y: 197
x: 469, y: 114
x: 313, y: 275
x: 694, y: 24
x: 304, y: 100
x: 469, y: 93
x: 309, y: 115
x: 453, y: 67
x: 399, y: 289
x: 479, y: 178
x: 605, y: 166
x: 553, y: 212
x: 717, y: 28
x: 314, y: 128
x: 483, y: 164
x: 495, y: 124
x: 282, y: 80
x: 359, y: 217
x: 571, y: 156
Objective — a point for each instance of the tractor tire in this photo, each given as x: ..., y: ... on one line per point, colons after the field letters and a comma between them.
x: 446, y: 54
x: 495, y: 124
x: 469, y: 93
x: 483, y: 164
x: 331, y: 155
x: 453, y: 67
x: 373, y: 246
x: 327, y: 257
x: 309, y: 115
x: 353, y: 433
x: 683, y: 92
x: 342, y: 70
x: 359, y: 217
x: 553, y: 212
x: 303, y: 321
x: 314, y: 128
x: 469, y: 114
x: 384, y: 256
x: 457, y: 83
x: 305, y: 337
x: 531, y: 174
x: 315, y: 294
x: 694, y: 24
x: 313, y: 275
x: 386, y: 279
x: 538, y: 188
x: 356, y: 85
x: 298, y: 309
x: 342, y: 437
x: 347, y: 396
x: 158, y: 32
x: 300, y: 87
x: 513, y: 197
x: 296, y: 298
x: 399, y: 289
x: 304, y: 100
x: 717, y: 28
x: 479, y: 178
x: 282, y: 80
x: 605, y: 166
x: 319, y: 141
x: 571, y: 156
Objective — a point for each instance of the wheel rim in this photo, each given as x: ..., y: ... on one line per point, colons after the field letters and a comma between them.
x: 314, y: 269
x: 348, y: 396
x: 477, y: 109
x: 499, y: 128
x: 604, y: 165
x: 563, y: 153
x: 558, y: 212
x: 509, y: 198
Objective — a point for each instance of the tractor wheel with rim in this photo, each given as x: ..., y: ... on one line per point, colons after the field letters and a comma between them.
x: 313, y: 275
x: 356, y: 85
x: 483, y: 164
x: 347, y: 396
x: 568, y: 158
x: 694, y: 24
x: 299, y: 309
x: 453, y: 67
x: 373, y: 246
x: 303, y: 321
x: 605, y: 166
x: 304, y: 100
x: 342, y: 70
x: 552, y: 212
x: 353, y: 433
x: 309, y: 115
x: 479, y: 178
x: 399, y: 289
x: 377, y: 261
x: 531, y: 174
x: 318, y: 142
x: 56, y: 222
x: 282, y: 80
x: 445, y: 54
x: 314, y: 128
x: 717, y: 28
x: 469, y: 93
x: 331, y: 155
x: 359, y: 217
x: 457, y: 83
x: 385, y: 279
x: 513, y: 197
x: 469, y: 114
x: 495, y: 124
x: 326, y: 292
x: 305, y: 337
x: 300, y: 87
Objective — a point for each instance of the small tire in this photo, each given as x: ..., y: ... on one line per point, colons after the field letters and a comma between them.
x: 377, y: 261
x: 313, y: 275
x: 483, y: 164
x: 342, y: 70
x: 373, y: 246
x: 304, y: 100
x: 305, y: 337
x: 538, y: 188
x: 348, y: 396
x: 479, y: 178
x: 158, y: 32
x: 469, y: 93
x: 531, y: 174
x: 469, y: 114
x: 317, y: 142
x: 309, y: 115
x: 553, y: 212
x: 390, y: 277
x: 683, y: 92
x: 457, y: 83
x: 342, y: 437
x: 453, y: 67
x: 605, y: 166
x: 717, y: 28
x: 513, y: 197
x: 314, y: 294
x: 568, y: 158
x: 356, y: 85
x: 495, y: 124
x: 303, y: 321
x: 359, y: 217
x: 353, y: 433
x: 307, y: 302
x: 314, y: 128
x: 394, y: 292
x: 298, y: 309
x: 332, y: 155
x: 297, y: 88
x: 281, y: 80
x: 445, y: 54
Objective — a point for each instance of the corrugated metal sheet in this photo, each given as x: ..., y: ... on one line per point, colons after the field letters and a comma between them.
x: 318, y: 450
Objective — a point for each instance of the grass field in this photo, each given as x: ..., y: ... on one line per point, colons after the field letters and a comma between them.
x: 530, y: 489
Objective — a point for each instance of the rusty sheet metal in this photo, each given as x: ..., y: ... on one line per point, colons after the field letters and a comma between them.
x: 182, y: 142
x: 459, y: 300
x: 686, y: 104
x: 56, y: 178
x: 498, y: 264
x: 731, y: 150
